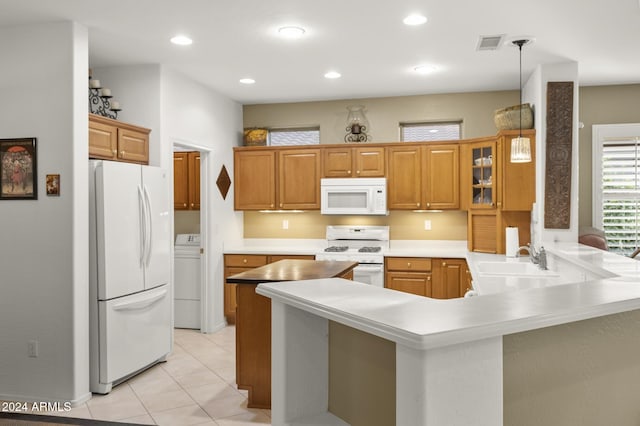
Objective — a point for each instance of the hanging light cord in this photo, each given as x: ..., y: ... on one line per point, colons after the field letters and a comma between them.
x: 520, y: 43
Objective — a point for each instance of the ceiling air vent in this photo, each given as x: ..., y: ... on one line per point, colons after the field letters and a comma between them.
x: 490, y: 42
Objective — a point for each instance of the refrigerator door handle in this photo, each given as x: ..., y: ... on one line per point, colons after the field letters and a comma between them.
x: 143, y: 226
x: 140, y: 304
x: 149, y: 224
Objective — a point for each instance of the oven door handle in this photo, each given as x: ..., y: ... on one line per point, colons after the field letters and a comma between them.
x: 363, y: 267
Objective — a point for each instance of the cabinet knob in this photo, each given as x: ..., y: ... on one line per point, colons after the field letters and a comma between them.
x: 244, y: 260
x: 121, y: 153
x: 417, y: 204
x: 184, y: 205
x: 408, y: 264
x: 280, y: 205
x: 429, y: 278
x: 114, y: 152
x: 348, y: 172
x: 271, y: 205
x: 444, y: 264
x: 499, y: 204
x: 192, y: 204
x: 428, y: 204
x: 358, y: 172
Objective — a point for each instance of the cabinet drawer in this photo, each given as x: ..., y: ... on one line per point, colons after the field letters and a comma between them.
x: 408, y: 264
x: 245, y: 260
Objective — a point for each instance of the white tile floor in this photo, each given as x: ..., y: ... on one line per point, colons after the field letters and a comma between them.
x: 196, y: 386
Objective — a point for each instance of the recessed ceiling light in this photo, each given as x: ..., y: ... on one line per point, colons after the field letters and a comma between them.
x: 425, y: 69
x: 291, y: 31
x: 332, y: 74
x: 181, y: 40
x: 415, y: 19
x: 247, y: 81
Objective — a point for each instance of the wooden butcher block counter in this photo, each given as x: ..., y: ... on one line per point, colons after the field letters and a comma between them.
x: 253, y: 319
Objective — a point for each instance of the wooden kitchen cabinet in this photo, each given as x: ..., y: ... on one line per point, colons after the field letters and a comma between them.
x: 267, y: 179
x: 423, y: 177
x: 111, y: 139
x: 449, y: 278
x: 408, y: 274
x: 429, y: 277
x: 498, y: 193
x: 299, y: 172
x: 255, y: 180
x: 186, y: 180
x: 441, y: 172
x: 236, y: 263
x: 353, y: 162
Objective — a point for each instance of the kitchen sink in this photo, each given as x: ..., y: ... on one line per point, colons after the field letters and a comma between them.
x: 522, y: 269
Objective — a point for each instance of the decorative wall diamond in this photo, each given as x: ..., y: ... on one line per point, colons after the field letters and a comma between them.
x: 223, y: 182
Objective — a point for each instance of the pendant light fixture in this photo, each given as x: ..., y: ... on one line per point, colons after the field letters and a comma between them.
x: 520, y: 147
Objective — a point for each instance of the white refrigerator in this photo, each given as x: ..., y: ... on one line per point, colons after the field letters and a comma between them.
x: 130, y: 259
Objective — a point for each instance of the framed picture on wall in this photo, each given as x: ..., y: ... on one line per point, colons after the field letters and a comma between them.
x: 18, y: 171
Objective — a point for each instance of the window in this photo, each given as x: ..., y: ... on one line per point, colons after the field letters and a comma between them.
x: 616, y: 185
x: 305, y: 136
x: 417, y: 132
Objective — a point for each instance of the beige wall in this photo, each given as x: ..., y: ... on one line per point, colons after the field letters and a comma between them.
x: 584, y: 373
x: 601, y: 105
x: 404, y: 225
x: 475, y: 110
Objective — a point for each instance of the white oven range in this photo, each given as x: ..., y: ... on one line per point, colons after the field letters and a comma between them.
x: 363, y: 244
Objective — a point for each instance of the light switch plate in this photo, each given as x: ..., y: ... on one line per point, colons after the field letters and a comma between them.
x: 427, y: 225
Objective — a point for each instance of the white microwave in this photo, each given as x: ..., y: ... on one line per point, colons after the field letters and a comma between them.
x: 353, y: 196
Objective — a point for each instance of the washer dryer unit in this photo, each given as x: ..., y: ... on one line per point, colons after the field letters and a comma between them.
x: 186, y: 293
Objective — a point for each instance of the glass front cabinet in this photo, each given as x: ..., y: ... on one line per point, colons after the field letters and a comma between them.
x: 484, y: 178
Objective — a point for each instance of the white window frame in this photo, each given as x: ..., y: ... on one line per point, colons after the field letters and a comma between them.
x: 600, y: 134
x: 429, y: 123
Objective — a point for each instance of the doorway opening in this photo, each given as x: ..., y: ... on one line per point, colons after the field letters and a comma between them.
x: 190, y: 236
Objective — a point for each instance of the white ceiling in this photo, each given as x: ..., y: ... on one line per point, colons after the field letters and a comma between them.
x: 364, y: 40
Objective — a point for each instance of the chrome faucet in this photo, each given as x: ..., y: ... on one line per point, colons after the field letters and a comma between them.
x: 537, y: 257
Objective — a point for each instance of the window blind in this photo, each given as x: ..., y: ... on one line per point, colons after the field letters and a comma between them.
x: 620, y: 186
x: 307, y: 136
x: 418, y: 132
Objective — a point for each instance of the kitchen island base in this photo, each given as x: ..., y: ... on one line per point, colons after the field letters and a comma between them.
x: 454, y: 385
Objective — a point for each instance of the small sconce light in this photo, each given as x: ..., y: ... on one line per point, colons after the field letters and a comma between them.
x: 357, y: 125
x: 520, y: 147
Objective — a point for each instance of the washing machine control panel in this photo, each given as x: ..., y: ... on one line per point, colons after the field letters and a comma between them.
x: 188, y: 240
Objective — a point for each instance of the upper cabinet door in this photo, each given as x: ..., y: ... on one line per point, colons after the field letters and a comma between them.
x: 369, y: 162
x: 442, y: 176
x: 518, y: 181
x: 299, y: 172
x: 194, y: 180
x: 484, y: 179
x: 103, y: 141
x: 180, y: 181
x: 338, y: 162
x: 404, y: 177
x: 255, y: 180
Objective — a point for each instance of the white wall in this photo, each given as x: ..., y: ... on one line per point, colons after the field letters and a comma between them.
x: 197, y: 116
x: 536, y: 92
x: 43, y: 255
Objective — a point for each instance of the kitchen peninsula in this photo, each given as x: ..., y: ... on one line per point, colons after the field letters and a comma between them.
x: 253, y: 319
x: 479, y: 360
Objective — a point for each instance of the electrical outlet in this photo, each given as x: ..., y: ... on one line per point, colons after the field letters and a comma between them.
x: 427, y: 225
x: 285, y: 224
x: 32, y: 348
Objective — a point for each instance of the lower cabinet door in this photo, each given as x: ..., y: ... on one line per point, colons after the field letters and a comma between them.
x: 410, y: 282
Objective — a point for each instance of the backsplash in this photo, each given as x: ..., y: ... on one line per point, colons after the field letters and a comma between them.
x: 404, y: 225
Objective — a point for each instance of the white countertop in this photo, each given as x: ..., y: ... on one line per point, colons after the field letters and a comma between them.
x: 422, y: 323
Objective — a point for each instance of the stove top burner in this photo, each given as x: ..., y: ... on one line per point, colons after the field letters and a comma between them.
x: 336, y: 248
x: 369, y: 249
